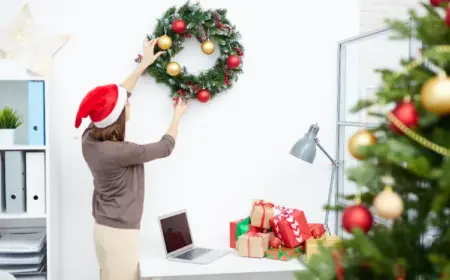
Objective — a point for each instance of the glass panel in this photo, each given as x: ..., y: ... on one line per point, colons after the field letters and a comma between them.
x: 347, y: 187
x: 359, y: 58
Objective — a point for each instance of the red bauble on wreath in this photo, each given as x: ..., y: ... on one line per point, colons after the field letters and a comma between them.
x: 357, y: 216
x: 233, y: 61
x: 407, y: 114
x: 179, y: 26
x: 203, y: 95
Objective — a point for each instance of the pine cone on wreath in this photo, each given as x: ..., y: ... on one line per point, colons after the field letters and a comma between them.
x: 227, y: 71
x: 203, y: 36
x: 216, y: 15
x: 228, y: 28
x: 196, y: 88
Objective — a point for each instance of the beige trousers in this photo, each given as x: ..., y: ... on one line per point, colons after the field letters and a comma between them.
x: 117, y: 252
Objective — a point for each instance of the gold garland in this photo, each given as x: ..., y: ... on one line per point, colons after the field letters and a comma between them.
x: 416, y: 137
x: 407, y: 131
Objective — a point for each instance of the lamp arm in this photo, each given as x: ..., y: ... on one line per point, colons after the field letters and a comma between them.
x: 330, y: 191
x: 333, y: 161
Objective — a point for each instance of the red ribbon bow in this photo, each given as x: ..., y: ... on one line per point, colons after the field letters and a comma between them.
x: 316, y: 232
x: 263, y: 205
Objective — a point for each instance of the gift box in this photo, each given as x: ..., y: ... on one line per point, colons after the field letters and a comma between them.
x: 291, y: 226
x: 238, y: 228
x: 284, y: 254
x: 317, y: 230
x: 253, y: 245
x: 262, y: 212
x: 312, y: 244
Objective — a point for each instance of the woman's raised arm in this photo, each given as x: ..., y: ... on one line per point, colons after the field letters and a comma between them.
x: 148, y: 58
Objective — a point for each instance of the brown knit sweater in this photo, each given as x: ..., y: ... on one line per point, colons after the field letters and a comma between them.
x: 119, y: 181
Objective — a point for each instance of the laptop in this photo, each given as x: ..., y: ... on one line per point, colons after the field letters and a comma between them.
x: 178, y: 241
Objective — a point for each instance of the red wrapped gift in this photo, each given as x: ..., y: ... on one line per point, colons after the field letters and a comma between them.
x: 291, y: 227
x: 317, y: 230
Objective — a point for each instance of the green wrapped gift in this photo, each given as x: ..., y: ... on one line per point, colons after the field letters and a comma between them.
x: 284, y: 254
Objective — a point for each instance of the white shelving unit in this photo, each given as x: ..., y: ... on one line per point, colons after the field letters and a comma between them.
x: 15, y: 92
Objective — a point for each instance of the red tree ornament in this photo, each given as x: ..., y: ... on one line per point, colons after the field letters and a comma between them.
x: 357, y: 216
x: 233, y: 61
x: 447, y: 17
x: 203, y: 95
x: 407, y: 114
x: 275, y: 242
x: 435, y: 3
x: 179, y: 26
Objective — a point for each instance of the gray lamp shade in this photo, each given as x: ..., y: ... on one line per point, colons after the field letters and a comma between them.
x: 305, y: 148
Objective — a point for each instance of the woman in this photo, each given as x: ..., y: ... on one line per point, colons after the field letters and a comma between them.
x: 118, y: 171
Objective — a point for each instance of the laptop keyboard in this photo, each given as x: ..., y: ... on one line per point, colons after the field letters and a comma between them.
x: 193, y: 254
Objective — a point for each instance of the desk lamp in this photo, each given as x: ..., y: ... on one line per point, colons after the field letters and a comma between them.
x: 305, y: 149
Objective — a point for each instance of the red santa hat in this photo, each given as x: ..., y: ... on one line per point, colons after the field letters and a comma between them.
x: 103, y: 105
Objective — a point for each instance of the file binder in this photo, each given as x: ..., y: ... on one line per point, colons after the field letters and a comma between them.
x: 2, y: 182
x: 36, y: 113
x: 14, y: 182
x: 35, y: 182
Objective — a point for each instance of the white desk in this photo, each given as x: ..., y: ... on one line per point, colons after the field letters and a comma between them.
x: 155, y: 265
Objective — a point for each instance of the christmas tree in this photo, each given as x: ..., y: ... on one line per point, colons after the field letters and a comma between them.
x: 404, y: 170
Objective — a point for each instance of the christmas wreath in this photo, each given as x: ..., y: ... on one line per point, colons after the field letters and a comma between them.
x: 211, y: 28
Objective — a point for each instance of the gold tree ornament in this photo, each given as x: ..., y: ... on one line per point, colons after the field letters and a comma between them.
x: 435, y: 95
x: 23, y: 41
x: 362, y: 138
x: 388, y: 204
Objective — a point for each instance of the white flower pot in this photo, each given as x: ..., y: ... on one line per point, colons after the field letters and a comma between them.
x: 7, y: 137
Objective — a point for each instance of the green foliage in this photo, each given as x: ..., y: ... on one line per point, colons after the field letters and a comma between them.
x: 9, y: 119
x: 226, y: 41
x: 422, y: 177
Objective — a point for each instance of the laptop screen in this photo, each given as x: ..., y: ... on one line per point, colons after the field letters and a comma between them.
x: 176, y: 232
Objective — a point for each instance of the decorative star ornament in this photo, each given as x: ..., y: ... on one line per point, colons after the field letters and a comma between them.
x: 23, y: 41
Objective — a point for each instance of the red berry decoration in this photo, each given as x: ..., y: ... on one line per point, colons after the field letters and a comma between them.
x: 179, y: 26
x: 357, y: 216
x: 407, y: 114
x: 233, y: 61
x: 275, y: 242
x: 203, y: 95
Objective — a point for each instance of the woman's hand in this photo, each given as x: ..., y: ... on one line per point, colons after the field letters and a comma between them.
x: 149, y: 53
x: 180, y: 107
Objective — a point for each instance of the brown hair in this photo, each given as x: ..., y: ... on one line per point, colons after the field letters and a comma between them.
x: 114, y: 132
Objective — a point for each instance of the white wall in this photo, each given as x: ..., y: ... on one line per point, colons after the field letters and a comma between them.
x: 229, y: 151
x: 374, y: 12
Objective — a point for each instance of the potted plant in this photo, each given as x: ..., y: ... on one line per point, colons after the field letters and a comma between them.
x: 9, y: 121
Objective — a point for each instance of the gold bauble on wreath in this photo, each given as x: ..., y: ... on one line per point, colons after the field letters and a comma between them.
x: 435, y: 95
x: 361, y: 138
x: 173, y: 68
x: 164, y: 42
x: 208, y: 47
